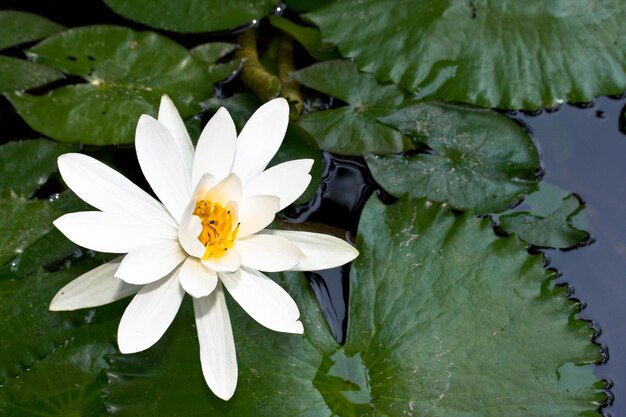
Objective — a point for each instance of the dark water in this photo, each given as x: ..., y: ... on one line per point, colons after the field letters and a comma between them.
x: 583, y: 151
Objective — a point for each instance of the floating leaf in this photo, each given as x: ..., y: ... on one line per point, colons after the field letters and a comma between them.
x: 213, y: 51
x: 463, y: 322
x: 26, y: 165
x: 192, y: 16
x: 52, y: 363
x: 480, y: 160
x: 505, y: 54
x: 555, y: 219
x: 305, y: 5
x: 309, y: 37
x: 23, y: 221
x: 352, y: 129
x: 127, y: 72
x: 19, y: 27
x: 19, y: 74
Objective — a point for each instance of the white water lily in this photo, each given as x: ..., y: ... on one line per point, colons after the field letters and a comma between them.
x: 207, y: 232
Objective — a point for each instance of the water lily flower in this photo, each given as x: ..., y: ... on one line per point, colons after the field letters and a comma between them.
x: 207, y: 232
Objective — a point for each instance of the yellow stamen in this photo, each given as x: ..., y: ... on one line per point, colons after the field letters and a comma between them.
x: 219, y: 227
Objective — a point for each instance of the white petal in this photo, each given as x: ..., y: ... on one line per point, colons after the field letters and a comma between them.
x: 110, y: 232
x: 189, y: 230
x: 256, y: 213
x: 228, y: 189
x: 287, y: 181
x: 196, y: 279
x: 170, y: 118
x: 92, y: 289
x: 260, y: 139
x: 217, y: 347
x: 228, y: 263
x: 320, y: 251
x: 216, y: 147
x: 163, y: 165
x: 150, y: 313
x: 151, y: 262
x: 268, y: 253
x: 263, y: 299
x: 108, y: 190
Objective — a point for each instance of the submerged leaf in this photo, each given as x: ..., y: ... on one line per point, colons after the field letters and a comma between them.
x: 555, y: 219
x: 477, y: 159
x: 506, y: 53
x: 126, y: 74
x: 352, y: 129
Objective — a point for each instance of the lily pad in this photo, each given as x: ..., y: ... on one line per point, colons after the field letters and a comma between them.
x: 477, y: 159
x: 504, y: 54
x: 26, y: 165
x: 20, y: 27
x: 52, y: 363
x: 352, y: 129
x: 463, y: 322
x: 19, y: 74
x: 126, y: 74
x: 555, y: 219
x: 192, y: 16
x: 425, y: 280
x: 309, y: 37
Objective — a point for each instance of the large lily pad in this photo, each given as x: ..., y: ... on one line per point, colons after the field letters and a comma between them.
x: 352, y: 129
x: 505, y: 54
x: 188, y: 16
x: 552, y: 218
x: 126, y: 74
x: 478, y: 159
x: 441, y: 306
x: 19, y: 27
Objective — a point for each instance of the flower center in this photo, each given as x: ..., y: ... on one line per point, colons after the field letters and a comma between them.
x: 219, y: 227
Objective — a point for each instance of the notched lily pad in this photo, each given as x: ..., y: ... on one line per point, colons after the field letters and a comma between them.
x: 352, y: 129
x: 126, y: 72
x: 477, y: 160
x: 504, y: 54
x: 463, y: 322
x: 19, y: 74
x: 554, y: 218
x: 309, y: 37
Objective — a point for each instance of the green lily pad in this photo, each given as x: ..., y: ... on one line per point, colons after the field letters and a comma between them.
x: 52, y: 363
x: 26, y: 165
x: 192, y: 16
x: 20, y: 27
x: 126, y: 74
x: 352, y: 129
x: 463, y: 322
x: 309, y: 37
x: 305, y: 5
x: 441, y: 306
x: 19, y: 74
x: 504, y: 54
x: 555, y: 219
x: 213, y: 51
x: 480, y: 160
